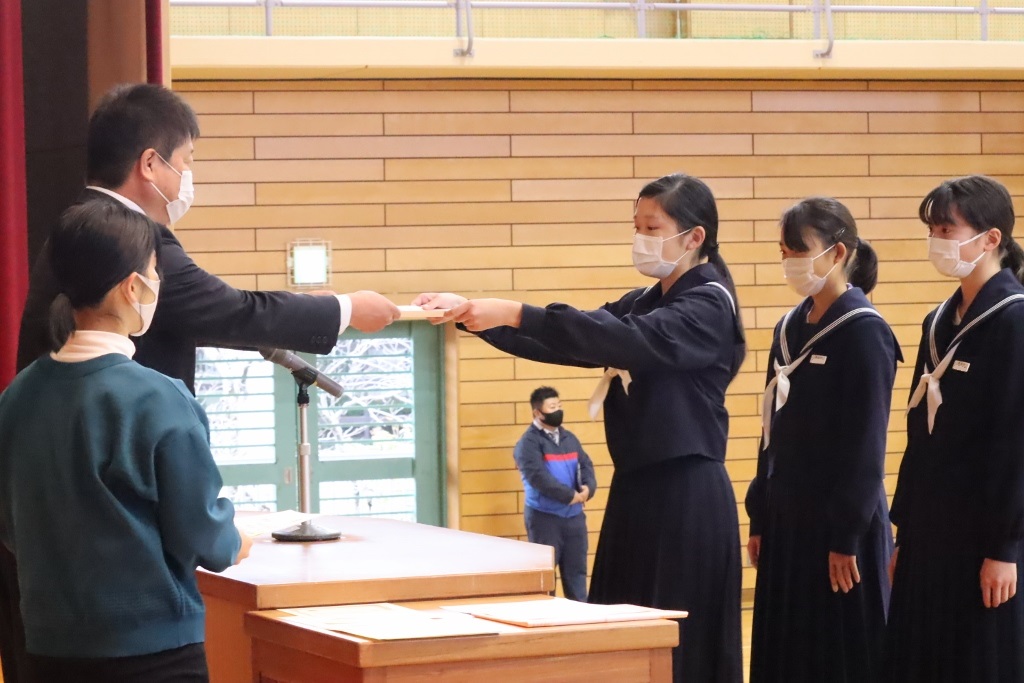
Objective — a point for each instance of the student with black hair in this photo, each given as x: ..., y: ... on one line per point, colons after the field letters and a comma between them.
x: 670, y: 536
x: 139, y: 155
x: 819, y: 518
x: 959, y: 503
x: 108, y: 489
x: 558, y: 479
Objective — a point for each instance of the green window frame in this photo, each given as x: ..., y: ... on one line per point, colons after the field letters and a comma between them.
x: 382, y: 442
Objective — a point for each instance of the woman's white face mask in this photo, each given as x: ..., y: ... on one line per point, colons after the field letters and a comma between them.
x: 800, y: 275
x: 647, y: 255
x: 146, y: 311
x: 945, y: 256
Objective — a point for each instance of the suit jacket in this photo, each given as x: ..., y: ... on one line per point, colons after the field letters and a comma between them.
x: 195, y: 308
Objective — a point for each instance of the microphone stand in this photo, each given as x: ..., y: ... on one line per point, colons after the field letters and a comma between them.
x: 308, y: 530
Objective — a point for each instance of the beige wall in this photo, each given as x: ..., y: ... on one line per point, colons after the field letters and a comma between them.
x: 524, y: 189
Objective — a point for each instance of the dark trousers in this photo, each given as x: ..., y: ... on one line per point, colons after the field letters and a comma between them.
x: 12, y: 632
x: 181, y: 665
x: 568, y: 536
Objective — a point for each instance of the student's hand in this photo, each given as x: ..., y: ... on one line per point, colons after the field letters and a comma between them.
x: 484, y: 314
x: 371, y: 311
x: 843, y: 572
x: 754, y: 550
x: 243, y: 552
x: 577, y: 498
x: 429, y: 301
x: 998, y: 582
x: 585, y: 492
x: 892, y: 566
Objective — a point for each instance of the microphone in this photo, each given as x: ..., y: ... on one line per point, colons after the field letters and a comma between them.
x: 302, y: 370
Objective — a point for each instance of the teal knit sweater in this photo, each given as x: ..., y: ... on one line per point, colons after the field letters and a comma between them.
x: 109, y: 501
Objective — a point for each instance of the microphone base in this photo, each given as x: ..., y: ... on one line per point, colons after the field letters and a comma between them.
x: 306, y: 532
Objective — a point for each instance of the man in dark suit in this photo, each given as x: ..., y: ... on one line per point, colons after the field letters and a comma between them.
x: 139, y: 153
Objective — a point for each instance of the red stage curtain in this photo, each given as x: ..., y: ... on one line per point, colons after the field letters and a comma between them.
x: 13, y: 206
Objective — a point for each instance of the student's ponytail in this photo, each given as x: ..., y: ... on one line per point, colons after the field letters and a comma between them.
x: 983, y: 203
x: 1013, y: 258
x: 833, y: 223
x: 690, y: 203
x: 62, y: 321
x: 863, y: 267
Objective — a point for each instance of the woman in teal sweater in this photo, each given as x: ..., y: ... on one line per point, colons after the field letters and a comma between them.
x: 108, y: 490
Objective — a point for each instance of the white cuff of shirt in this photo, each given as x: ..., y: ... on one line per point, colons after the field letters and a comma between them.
x: 345, y: 302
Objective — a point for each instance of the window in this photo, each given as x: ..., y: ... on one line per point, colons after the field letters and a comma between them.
x: 375, y: 451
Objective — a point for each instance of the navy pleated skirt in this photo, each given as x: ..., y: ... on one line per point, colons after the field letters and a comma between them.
x: 670, y: 539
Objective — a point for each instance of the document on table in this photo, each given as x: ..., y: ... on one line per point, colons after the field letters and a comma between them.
x: 561, y: 612
x: 385, y: 621
x: 257, y: 525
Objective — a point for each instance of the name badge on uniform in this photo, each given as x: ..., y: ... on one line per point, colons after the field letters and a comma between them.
x: 818, y: 360
x: 961, y: 366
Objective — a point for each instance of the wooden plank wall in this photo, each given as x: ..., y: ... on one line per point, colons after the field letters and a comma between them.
x: 524, y: 189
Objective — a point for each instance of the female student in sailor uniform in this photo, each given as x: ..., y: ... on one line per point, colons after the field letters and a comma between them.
x: 819, y: 523
x: 959, y: 503
x: 670, y: 535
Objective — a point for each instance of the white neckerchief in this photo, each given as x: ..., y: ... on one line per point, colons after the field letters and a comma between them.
x: 601, y: 391
x: 121, y: 198
x: 88, y: 344
x: 929, y: 382
x: 778, y: 389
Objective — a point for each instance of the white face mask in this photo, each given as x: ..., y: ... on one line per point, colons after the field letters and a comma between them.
x: 186, y: 194
x: 945, y: 256
x: 800, y: 275
x: 647, y: 255
x: 146, y: 311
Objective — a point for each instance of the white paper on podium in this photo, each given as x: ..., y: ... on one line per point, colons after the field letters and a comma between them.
x: 385, y: 621
x: 562, y: 612
x: 257, y: 525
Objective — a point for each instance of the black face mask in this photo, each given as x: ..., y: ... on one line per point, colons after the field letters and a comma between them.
x: 551, y: 419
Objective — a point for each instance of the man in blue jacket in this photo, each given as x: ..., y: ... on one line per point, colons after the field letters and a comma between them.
x: 559, y: 478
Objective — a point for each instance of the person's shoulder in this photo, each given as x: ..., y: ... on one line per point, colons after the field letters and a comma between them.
x: 158, y: 387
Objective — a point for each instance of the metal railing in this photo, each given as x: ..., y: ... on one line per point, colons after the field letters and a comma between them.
x: 818, y: 9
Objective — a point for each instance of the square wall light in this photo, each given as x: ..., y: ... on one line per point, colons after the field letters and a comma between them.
x: 309, y: 263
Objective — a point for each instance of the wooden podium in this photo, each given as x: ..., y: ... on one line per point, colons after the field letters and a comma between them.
x: 288, y: 651
x: 377, y: 560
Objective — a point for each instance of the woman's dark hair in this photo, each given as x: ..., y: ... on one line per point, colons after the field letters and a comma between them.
x: 983, y: 203
x: 690, y: 203
x: 833, y: 223
x: 95, y: 245
x: 129, y: 120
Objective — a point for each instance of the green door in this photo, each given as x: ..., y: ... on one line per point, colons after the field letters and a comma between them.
x: 376, y: 451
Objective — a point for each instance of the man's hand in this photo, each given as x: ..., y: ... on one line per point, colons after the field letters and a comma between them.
x: 371, y: 311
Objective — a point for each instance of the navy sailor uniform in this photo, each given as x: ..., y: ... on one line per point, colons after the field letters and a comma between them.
x: 819, y: 489
x: 670, y: 535
x: 960, y: 497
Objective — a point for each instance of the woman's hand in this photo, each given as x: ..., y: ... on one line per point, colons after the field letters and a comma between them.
x: 484, y: 314
x: 998, y: 582
x: 754, y: 550
x: 843, y: 572
x: 429, y: 301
